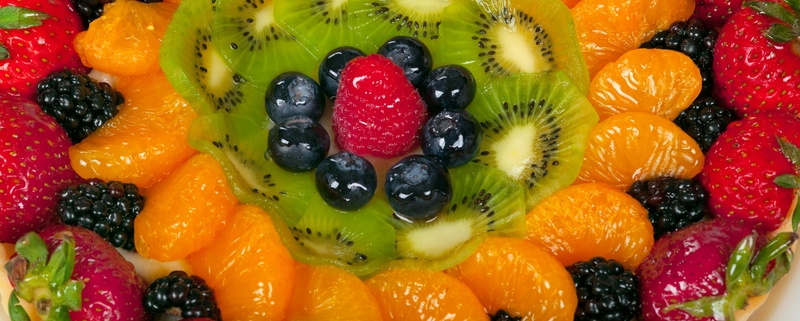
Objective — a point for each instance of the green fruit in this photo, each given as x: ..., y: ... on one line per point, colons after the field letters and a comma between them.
x: 319, y: 25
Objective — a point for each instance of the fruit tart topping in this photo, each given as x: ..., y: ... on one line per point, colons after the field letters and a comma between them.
x: 330, y: 70
x: 346, y: 181
x: 182, y: 295
x: 673, y: 203
x: 705, y: 120
x: 410, y: 54
x: 606, y: 290
x: 452, y: 136
x: 108, y: 209
x: 298, y: 144
x: 377, y: 111
x: 418, y: 187
x: 294, y: 94
x: 448, y: 87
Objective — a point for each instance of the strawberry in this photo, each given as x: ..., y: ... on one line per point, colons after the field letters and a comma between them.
x: 716, y: 12
x: 34, y: 167
x: 747, y: 169
x: 708, y: 271
x: 35, y: 40
x: 757, y: 58
x: 377, y: 111
x: 72, y: 273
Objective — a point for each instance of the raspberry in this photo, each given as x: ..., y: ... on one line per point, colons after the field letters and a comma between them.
x: 377, y: 111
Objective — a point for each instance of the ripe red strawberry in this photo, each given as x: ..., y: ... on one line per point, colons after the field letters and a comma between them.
x: 757, y: 59
x: 38, y: 43
x: 34, y: 167
x: 742, y: 166
x: 87, y: 278
x: 707, y: 271
x: 377, y: 111
x: 716, y: 12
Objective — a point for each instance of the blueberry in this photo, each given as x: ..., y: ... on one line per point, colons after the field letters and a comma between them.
x: 452, y: 136
x: 294, y: 94
x: 418, y: 187
x: 298, y: 144
x: 331, y: 68
x: 346, y: 181
x: 410, y: 54
x: 448, y: 87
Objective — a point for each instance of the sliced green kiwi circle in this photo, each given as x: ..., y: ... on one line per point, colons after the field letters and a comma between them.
x: 535, y: 128
x: 497, y: 38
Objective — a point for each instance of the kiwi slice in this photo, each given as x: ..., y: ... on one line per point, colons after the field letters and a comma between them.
x: 380, y: 20
x: 496, y: 38
x: 320, y: 25
x: 239, y: 145
x: 248, y: 37
x: 535, y: 128
x: 485, y: 202
x: 196, y: 69
x: 358, y: 241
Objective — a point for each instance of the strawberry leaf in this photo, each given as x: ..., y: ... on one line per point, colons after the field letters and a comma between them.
x: 787, y: 181
x: 790, y: 150
x: 795, y: 4
x: 15, y: 310
x: 32, y: 248
x: 740, y: 259
x: 12, y: 17
x: 774, y: 10
x: 776, y: 247
x: 779, y: 33
x: 796, y: 215
x: 4, y: 54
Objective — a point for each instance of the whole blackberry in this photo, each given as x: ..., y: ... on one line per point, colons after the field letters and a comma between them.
x: 108, y: 209
x: 705, y: 120
x: 606, y: 290
x: 672, y: 203
x: 503, y: 316
x: 79, y: 103
x: 179, y: 294
x: 694, y: 39
x: 90, y: 10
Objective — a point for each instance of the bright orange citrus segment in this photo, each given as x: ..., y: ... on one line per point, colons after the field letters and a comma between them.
x: 330, y: 293
x: 424, y: 295
x: 126, y: 39
x: 248, y: 267
x: 661, y: 82
x: 665, y: 12
x: 634, y: 146
x: 145, y: 141
x: 592, y: 219
x: 520, y: 278
x: 184, y: 211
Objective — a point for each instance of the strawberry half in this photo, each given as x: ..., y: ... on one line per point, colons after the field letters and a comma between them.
x: 35, y: 40
x: 757, y: 58
x: 34, y: 167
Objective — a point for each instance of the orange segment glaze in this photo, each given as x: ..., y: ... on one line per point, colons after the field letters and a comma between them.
x: 145, y: 141
x: 520, y: 278
x: 330, y: 293
x: 592, y: 219
x: 126, y: 39
x: 249, y: 269
x: 184, y: 211
x: 634, y: 146
x: 661, y: 82
x: 424, y: 295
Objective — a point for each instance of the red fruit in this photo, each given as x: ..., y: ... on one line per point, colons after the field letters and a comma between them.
x: 742, y: 166
x: 377, y: 111
x: 716, y: 12
x: 40, y: 44
x: 97, y: 283
x: 756, y: 69
x: 34, y: 167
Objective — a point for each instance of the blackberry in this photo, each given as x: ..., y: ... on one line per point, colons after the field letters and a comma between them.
x: 606, y: 290
x: 502, y: 315
x: 79, y: 103
x: 694, y: 39
x: 179, y: 294
x: 705, y: 120
x: 90, y: 10
x: 108, y: 209
x: 672, y: 203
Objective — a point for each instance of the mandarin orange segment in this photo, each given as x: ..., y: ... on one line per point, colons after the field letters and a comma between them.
x: 145, y: 141
x: 424, y: 295
x: 519, y: 278
x: 249, y: 269
x: 634, y: 146
x: 592, y: 219
x: 126, y: 39
x: 661, y: 82
x: 665, y: 12
x: 184, y: 211
x: 330, y: 293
